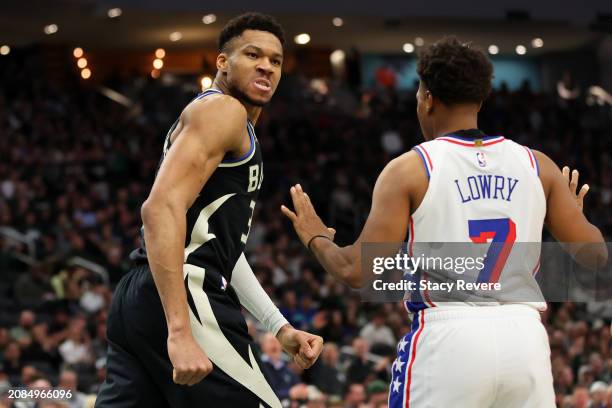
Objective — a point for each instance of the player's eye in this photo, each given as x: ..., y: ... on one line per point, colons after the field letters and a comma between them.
x: 251, y: 55
x: 276, y: 62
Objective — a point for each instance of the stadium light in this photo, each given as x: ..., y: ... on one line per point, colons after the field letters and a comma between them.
x: 419, y: 41
x: 86, y: 73
x: 408, y: 48
x: 160, y: 53
x: 493, y: 49
x: 5, y: 49
x: 114, y: 12
x: 337, y: 57
x: 77, y: 52
x: 158, y: 63
x: 521, y: 50
x: 175, y: 36
x: 82, y: 62
x: 155, y: 74
x: 302, y: 39
x: 206, y: 82
x: 209, y: 18
x: 337, y: 22
x: 51, y: 29
x: 537, y: 43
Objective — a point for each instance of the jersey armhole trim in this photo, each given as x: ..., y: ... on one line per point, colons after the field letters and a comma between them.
x: 533, y: 160
x: 247, y: 156
x: 418, y: 150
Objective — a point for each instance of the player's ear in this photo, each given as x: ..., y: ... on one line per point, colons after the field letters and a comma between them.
x: 222, y: 62
x: 429, y: 102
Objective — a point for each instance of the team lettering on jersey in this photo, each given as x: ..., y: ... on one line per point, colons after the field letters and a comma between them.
x: 486, y: 186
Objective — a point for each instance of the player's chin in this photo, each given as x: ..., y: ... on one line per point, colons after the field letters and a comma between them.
x: 260, y: 100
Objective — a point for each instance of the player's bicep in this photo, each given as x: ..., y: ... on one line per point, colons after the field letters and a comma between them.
x: 206, y: 135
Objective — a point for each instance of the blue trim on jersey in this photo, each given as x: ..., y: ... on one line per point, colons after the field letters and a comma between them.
x: 471, y: 139
x: 208, y: 92
x: 536, y: 163
x: 424, y: 161
x: 252, y: 138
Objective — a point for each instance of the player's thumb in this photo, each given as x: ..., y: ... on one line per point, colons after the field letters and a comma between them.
x: 332, y: 231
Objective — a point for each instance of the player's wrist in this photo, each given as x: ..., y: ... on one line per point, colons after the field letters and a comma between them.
x: 283, y: 331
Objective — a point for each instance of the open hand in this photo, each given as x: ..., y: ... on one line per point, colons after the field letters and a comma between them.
x: 305, y: 220
x: 573, y: 185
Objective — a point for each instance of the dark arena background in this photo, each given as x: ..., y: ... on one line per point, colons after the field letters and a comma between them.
x: 90, y: 87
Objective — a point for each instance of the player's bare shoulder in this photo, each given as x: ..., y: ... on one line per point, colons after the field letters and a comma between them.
x: 221, y: 116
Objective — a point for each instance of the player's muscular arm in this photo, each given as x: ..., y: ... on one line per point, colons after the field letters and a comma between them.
x: 387, y: 221
x: 565, y: 220
x: 208, y: 130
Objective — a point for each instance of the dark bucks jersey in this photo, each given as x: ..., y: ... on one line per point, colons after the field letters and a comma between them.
x: 219, y: 220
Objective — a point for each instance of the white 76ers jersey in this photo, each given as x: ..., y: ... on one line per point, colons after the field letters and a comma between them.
x: 482, y: 190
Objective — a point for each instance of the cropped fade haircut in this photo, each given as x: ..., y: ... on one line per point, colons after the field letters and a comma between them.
x: 454, y: 72
x: 250, y: 21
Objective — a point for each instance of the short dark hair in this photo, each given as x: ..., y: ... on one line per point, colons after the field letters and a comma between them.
x: 455, y: 72
x: 250, y: 21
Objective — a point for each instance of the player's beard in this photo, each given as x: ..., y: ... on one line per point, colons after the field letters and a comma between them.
x: 242, y: 96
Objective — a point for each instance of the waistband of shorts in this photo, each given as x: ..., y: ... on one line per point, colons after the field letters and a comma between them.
x: 479, y: 312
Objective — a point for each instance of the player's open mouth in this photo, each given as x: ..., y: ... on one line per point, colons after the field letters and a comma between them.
x: 263, y: 84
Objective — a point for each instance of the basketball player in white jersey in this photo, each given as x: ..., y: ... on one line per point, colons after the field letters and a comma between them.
x: 463, y: 186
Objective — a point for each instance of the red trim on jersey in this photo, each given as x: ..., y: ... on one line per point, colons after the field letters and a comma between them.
x: 470, y: 144
x: 426, y: 293
x: 428, y: 158
x: 530, y: 158
x: 537, y: 267
x: 483, y: 237
x: 505, y: 252
x: 414, y: 350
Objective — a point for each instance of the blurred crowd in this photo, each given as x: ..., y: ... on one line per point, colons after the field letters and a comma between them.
x: 76, y: 166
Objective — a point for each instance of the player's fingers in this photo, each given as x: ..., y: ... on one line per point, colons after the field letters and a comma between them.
x: 566, y: 172
x: 332, y: 232
x: 574, y: 182
x: 290, y: 214
x: 300, y: 361
x: 179, y: 376
x: 316, y: 345
x: 583, y: 192
x: 298, y: 201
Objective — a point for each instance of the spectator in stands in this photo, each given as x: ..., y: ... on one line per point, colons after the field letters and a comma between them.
x: 355, y: 395
x: 12, y: 361
x: 378, y: 394
x: 276, y: 371
x: 580, y: 397
x: 325, y: 374
x: 68, y: 380
x: 378, y: 335
x: 77, y: 347
x: 34, y: 287
x: 598, y: 394
x: 360, y: 368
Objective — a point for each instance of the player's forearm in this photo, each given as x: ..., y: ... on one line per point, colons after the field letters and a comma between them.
x: 164, y: 232
x: 254, y: 298
x: 342, y: 262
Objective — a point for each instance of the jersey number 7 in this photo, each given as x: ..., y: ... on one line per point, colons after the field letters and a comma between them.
x: 503, y: 233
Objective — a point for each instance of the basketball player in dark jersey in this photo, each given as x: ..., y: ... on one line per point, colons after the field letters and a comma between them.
x: 191, y: 267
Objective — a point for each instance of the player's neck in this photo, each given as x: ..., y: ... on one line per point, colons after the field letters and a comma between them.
x: 253, y: 111
x: 454, y: 121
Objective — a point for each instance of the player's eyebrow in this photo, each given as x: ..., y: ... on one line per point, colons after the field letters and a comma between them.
x: 260, y: 50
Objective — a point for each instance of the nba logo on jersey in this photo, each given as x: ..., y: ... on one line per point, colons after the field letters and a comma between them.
x: 480, y: 156
x: 223, y: 283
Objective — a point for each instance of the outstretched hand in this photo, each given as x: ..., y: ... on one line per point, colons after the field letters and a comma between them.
x: 573, y: 185
x: 305, y: 220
